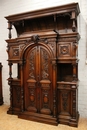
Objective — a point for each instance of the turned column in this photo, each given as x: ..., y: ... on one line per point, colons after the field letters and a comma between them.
x: 22, y: 93
x: 54, y: 87
x: 10, y: 83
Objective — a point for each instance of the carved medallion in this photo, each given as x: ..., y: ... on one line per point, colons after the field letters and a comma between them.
x: 64, y: 50
x: 45, y: 98
x: 32, y: 97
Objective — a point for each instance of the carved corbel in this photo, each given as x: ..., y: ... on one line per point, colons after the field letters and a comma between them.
x: 8, y: 48
x: 73, y: 17
x: 75, y: 47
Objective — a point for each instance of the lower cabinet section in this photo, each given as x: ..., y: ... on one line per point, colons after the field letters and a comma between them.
x: 15, y: 96
x: 67, y: 103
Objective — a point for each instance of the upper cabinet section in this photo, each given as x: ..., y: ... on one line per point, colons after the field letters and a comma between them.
x: 62, y: 19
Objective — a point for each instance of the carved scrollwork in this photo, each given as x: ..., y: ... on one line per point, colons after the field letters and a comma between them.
x: 45, y: 61
x: 35, y: 38
x: 64, y: 100
x: 45, y: 75
x: 16, y: 52
x: 18, y: 93
x: 31, y: 65
x: 22, y: 47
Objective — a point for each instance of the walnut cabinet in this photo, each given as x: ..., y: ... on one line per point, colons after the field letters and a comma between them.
x: 45, y: 52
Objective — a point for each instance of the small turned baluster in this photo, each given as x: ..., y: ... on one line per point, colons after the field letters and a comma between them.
x: 10, y: 70
x: 9, y: 27
x: 74, y: 72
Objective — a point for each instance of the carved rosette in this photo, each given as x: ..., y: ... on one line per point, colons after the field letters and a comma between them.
x: 64, y: 50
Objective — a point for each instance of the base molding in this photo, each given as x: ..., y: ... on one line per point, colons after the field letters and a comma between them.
x: 47, y: 119
x: 38, y: 117
x: 13, y: 112
x: 69, y: 120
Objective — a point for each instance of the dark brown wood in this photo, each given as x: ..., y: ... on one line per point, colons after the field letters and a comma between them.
x: 1, y: 93
x: 45, y: 51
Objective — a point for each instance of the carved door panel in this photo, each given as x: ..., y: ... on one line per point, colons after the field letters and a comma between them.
x: 38, y: 81
x: 64, y: 105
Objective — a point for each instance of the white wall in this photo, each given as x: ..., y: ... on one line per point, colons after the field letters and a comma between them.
x: 8, y: 7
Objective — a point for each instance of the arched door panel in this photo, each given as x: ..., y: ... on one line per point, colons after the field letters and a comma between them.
x: 38, y: 80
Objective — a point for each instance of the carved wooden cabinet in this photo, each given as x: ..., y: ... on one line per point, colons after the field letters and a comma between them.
x: 46, y: 53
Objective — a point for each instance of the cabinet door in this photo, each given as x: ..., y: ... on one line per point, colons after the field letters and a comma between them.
x: 38, y: 80
x: 64, y: 103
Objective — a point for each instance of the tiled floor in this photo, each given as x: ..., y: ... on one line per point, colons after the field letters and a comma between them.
x: 12, y: 122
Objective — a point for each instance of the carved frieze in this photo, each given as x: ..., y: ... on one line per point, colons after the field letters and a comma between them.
x: 65, y: 39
